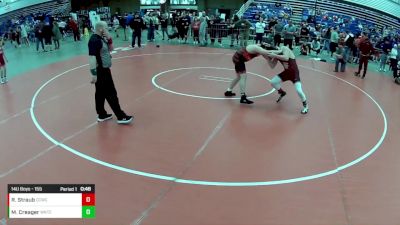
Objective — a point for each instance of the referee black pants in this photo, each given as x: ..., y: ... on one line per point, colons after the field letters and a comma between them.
x: 105, y: 90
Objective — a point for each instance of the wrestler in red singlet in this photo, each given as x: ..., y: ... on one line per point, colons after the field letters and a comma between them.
x: 291, y: 71
x: 240, y: 57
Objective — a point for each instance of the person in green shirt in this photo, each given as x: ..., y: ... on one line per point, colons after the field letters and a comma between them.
x: 334, y: 40
x: 288, y: 34
x: 244, y: 30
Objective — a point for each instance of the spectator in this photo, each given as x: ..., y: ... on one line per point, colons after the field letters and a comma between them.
x: 156, y: 23
x: 183, y: 27
x: 56, y: 35
x: 244, y: 27
x: 278, y: 29
x: 18, y: 36
x: 116, y: 26
x: 366, y: 50
x: 203, y: 31
x: 62, y: 26
x: 164, y: 25
x: 215, y: 26
x: 150, y: 23
x: 334, y: 40
x: 136, y: 24
x: 326, y: 37
x: 47, y: 35
x: 270, y: 39
x: 260, y: 30
x: 24, y: 35
x: 304, y: 48
x: 397, y: 77
x: 288, y: 34
x: 196, y: 29
x: 315, y: 46
x: 386, y: 48
x: 394, y: 54
x: 3, y: 60
x: 304, y: 33
x: 75, y: 29
x: 349, y: 44
x: 234, y: 32
x: 272, y: 23
x: 39, y: 35
x: 340, y: 58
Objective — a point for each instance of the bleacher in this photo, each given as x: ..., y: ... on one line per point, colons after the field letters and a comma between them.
x: 345, y: 22
x: 46, y: 8
x: 361, y: 15
x: 53, y: 8
x: 268, y: 9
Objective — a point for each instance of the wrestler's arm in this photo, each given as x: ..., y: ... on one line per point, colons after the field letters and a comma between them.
x: 283, y: 57
x: 264, y: 52
x: 276, y: 52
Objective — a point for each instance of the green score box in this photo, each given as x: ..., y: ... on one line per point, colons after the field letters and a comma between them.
x: 88, y: 212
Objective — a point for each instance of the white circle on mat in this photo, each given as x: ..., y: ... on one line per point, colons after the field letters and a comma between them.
x: 154, y: 80
x: 205, y: 182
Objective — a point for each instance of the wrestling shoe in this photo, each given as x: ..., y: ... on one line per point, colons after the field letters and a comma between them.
x: 125, y: 120
x: 305, y: 110
x: 102, y: 118
x: 229, y: 94
x: 282, y: 94
x: 244, y: 100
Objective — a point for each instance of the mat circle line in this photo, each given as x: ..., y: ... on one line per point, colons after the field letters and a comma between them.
x: 155, y: 77
x: 204, y: 182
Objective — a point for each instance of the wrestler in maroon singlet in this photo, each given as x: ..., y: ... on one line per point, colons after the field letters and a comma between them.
x: 291, y: 71
x: 240, y: 57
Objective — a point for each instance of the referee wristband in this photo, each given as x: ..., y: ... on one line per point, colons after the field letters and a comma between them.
x: 93, y: 72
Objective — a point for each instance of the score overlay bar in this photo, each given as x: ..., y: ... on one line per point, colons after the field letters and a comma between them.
x: 51, y: 201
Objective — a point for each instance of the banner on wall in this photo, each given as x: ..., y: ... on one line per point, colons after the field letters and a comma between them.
x: 172, y: 2
x: 183, y: 2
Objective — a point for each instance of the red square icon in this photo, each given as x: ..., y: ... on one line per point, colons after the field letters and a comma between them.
x: 88, y: 199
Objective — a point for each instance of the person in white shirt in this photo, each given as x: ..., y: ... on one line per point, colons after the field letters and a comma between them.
x: 62, y: 26
x: 393, y: 56
x: 24, y: 35
x: 260, y: 30
x: 116, y: 26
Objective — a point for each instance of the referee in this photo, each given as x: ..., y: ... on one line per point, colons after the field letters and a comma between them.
x: 100, y: 45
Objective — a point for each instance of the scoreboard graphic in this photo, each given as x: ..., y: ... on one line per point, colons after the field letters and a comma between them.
x: 51, y: 201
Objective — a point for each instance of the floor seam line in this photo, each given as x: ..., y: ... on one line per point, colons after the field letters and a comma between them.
x: 188, y: 165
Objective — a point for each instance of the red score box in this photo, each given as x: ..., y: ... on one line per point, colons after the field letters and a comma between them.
x: 88, y: 199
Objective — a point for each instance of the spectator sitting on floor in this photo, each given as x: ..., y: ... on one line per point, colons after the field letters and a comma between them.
x: 304, y: 48
x: 315, y: 46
